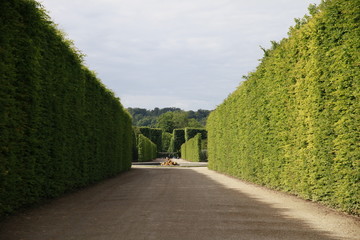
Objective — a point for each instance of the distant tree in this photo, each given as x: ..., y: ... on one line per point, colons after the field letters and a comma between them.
x: 156, y: 112
x: 172, y: 120
x: 166, y: 122
x: 202, y: 115
x: 181, y: 119
x: 193, y: 123
x: 147, y: 122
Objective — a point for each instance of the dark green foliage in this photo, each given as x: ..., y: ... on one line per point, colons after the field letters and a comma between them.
x: 154, y: 134
x: 204, y: 155
x: 191, y: 150
x: 178, y: 138
x: 200, y: 115
x: 294, y: 124
x: 173, y: 118
x: 135, y: 134
x: 166, y: 122
x: 147, y: 150
x: 148, y: 118
x: 204, y: 143
x: 166, y: 138
x: 191, y: 132
x: 60, y: 128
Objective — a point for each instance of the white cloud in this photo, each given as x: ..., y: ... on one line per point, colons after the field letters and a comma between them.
x: 163, y: 100
x: 191, y: 53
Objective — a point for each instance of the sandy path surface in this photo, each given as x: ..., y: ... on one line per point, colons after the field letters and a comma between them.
x: 316, y: 216
x: 176, y: 203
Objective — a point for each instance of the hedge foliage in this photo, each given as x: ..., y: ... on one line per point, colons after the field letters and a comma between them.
x: 191, y: 149
x: 154, y: 134
x: 147, y: 150
x: 60, y: 128
x: 192, y: 132
x: 294, y: 123
x: 166, y: 139
x: 178, y: 138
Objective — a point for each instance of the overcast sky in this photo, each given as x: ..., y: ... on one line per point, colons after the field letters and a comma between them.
x: 189, y: 54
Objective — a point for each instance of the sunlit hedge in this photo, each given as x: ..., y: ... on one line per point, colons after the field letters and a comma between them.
x: 60, y: 128
x: 294, y: 124
x: 191, y: 149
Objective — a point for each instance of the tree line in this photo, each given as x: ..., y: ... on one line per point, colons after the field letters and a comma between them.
x: 168, y: 118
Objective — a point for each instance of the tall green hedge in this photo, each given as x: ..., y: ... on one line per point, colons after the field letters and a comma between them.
x: 192, y: 132
x: 178, y: 138
x: 154, y: 134
x: 60, y: 128
x: 294, y: 123
x: 166, y: 139
x: 191, y: 149
x: 147, y: 150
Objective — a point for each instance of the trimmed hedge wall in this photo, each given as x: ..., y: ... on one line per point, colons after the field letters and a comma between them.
x: 178, y: 138
x: 135, y: 150
x: 60, y: 128
x: 191, y: 132
x: 191, y: 149
x: 294, y: 124
x: 166, y: 139
x: 154, y: 134
x: 147, y: 150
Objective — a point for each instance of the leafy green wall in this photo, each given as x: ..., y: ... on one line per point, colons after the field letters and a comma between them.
x: 147, y: 150
x: 60, y: 128
x: 191, y: 132
x: 166, y: 139
x: 154, y: 134
x: 178, y: 138
x: 191, y: 149
x: 294, y: 123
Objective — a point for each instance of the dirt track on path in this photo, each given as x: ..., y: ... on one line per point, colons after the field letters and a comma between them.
x: 151, y: 202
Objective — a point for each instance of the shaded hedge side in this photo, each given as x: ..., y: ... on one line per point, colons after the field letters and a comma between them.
x: 60, y: 128
x: 166, y: 139
x: 147, y: 150
x: 192, y: 132
x: 191, y: 149
x: 178, y: 138
x: 294, y: 124
x: 154, y: 134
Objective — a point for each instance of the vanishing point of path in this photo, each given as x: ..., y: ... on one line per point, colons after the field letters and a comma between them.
x: 178, y: 203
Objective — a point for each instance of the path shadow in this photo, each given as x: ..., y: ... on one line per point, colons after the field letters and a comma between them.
x: 158, y: 203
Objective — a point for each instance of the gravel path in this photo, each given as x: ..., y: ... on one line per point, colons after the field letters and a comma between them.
x: 178, y: 203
